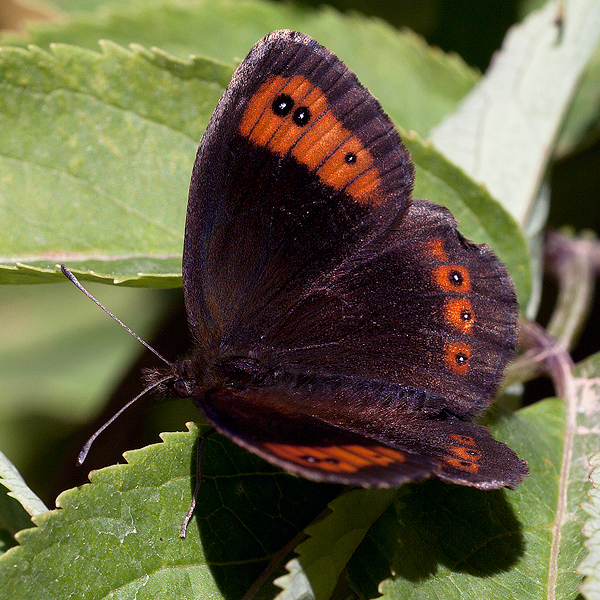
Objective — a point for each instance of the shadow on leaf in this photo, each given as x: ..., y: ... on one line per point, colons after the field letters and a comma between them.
x: 431, y: 524
x: 248, y: 510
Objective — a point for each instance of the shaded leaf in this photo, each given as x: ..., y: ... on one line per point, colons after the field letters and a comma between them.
x: 17, y: 503
x: 452, y: 542
x: 59, y: 357
x: 582, y: 124
x: 590, y: 566
x: 332, y: 541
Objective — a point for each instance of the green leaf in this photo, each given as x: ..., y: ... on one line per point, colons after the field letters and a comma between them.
x: 506, y: 128
x: 314, y: 574
x: 588, y: 421
x: 416, y: 84
x: 99, y: 178
x: 11, y: 479
x: 119, y: 536
x: 116, y: 534
x: 589, y: 567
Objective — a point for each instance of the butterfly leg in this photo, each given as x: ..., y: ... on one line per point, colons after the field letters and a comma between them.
x: 190, y: 511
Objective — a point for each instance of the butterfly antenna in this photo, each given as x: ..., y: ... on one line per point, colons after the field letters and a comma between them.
x: 86, y: 448
x: 75, y: 281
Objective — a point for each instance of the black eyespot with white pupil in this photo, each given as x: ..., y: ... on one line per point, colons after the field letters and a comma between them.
x: 350, y: 158
x: 461, y: 358
x: 455, y: 278
x: 282, y: 105
x: 465, y: 315
x: 312, y: 459
x: 301, y: 116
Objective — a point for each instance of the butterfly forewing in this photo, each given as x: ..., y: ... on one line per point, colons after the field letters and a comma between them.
x: 298, y: 165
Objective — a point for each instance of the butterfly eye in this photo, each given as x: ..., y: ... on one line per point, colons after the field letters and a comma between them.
x: 350, y: 158
x: 282, y: 105
x: 301, y: 116
x: 183, y: 388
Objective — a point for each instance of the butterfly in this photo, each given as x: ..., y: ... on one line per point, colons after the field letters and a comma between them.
x: 343, y: 332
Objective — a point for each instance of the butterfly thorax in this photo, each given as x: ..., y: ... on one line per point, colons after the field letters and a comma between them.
x: 192, y: 377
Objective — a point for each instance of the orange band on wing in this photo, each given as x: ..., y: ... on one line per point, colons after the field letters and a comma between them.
x: 336, y: 459
x: 322, y: 143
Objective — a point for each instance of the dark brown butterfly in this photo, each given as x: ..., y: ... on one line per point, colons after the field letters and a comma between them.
x: 343, y: 332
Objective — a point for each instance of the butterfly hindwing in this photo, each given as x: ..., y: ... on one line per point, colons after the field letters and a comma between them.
x: 272, y: 424
x: 266, y: 423
x: 419, y: 306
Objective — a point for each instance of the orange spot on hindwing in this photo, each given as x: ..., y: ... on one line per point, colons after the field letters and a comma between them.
x: 457, y: 355
x: 435, y: 249
x: 459, y: 313
x: 291, y: 115
x: 452, y: 278
x: 454, y: 282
